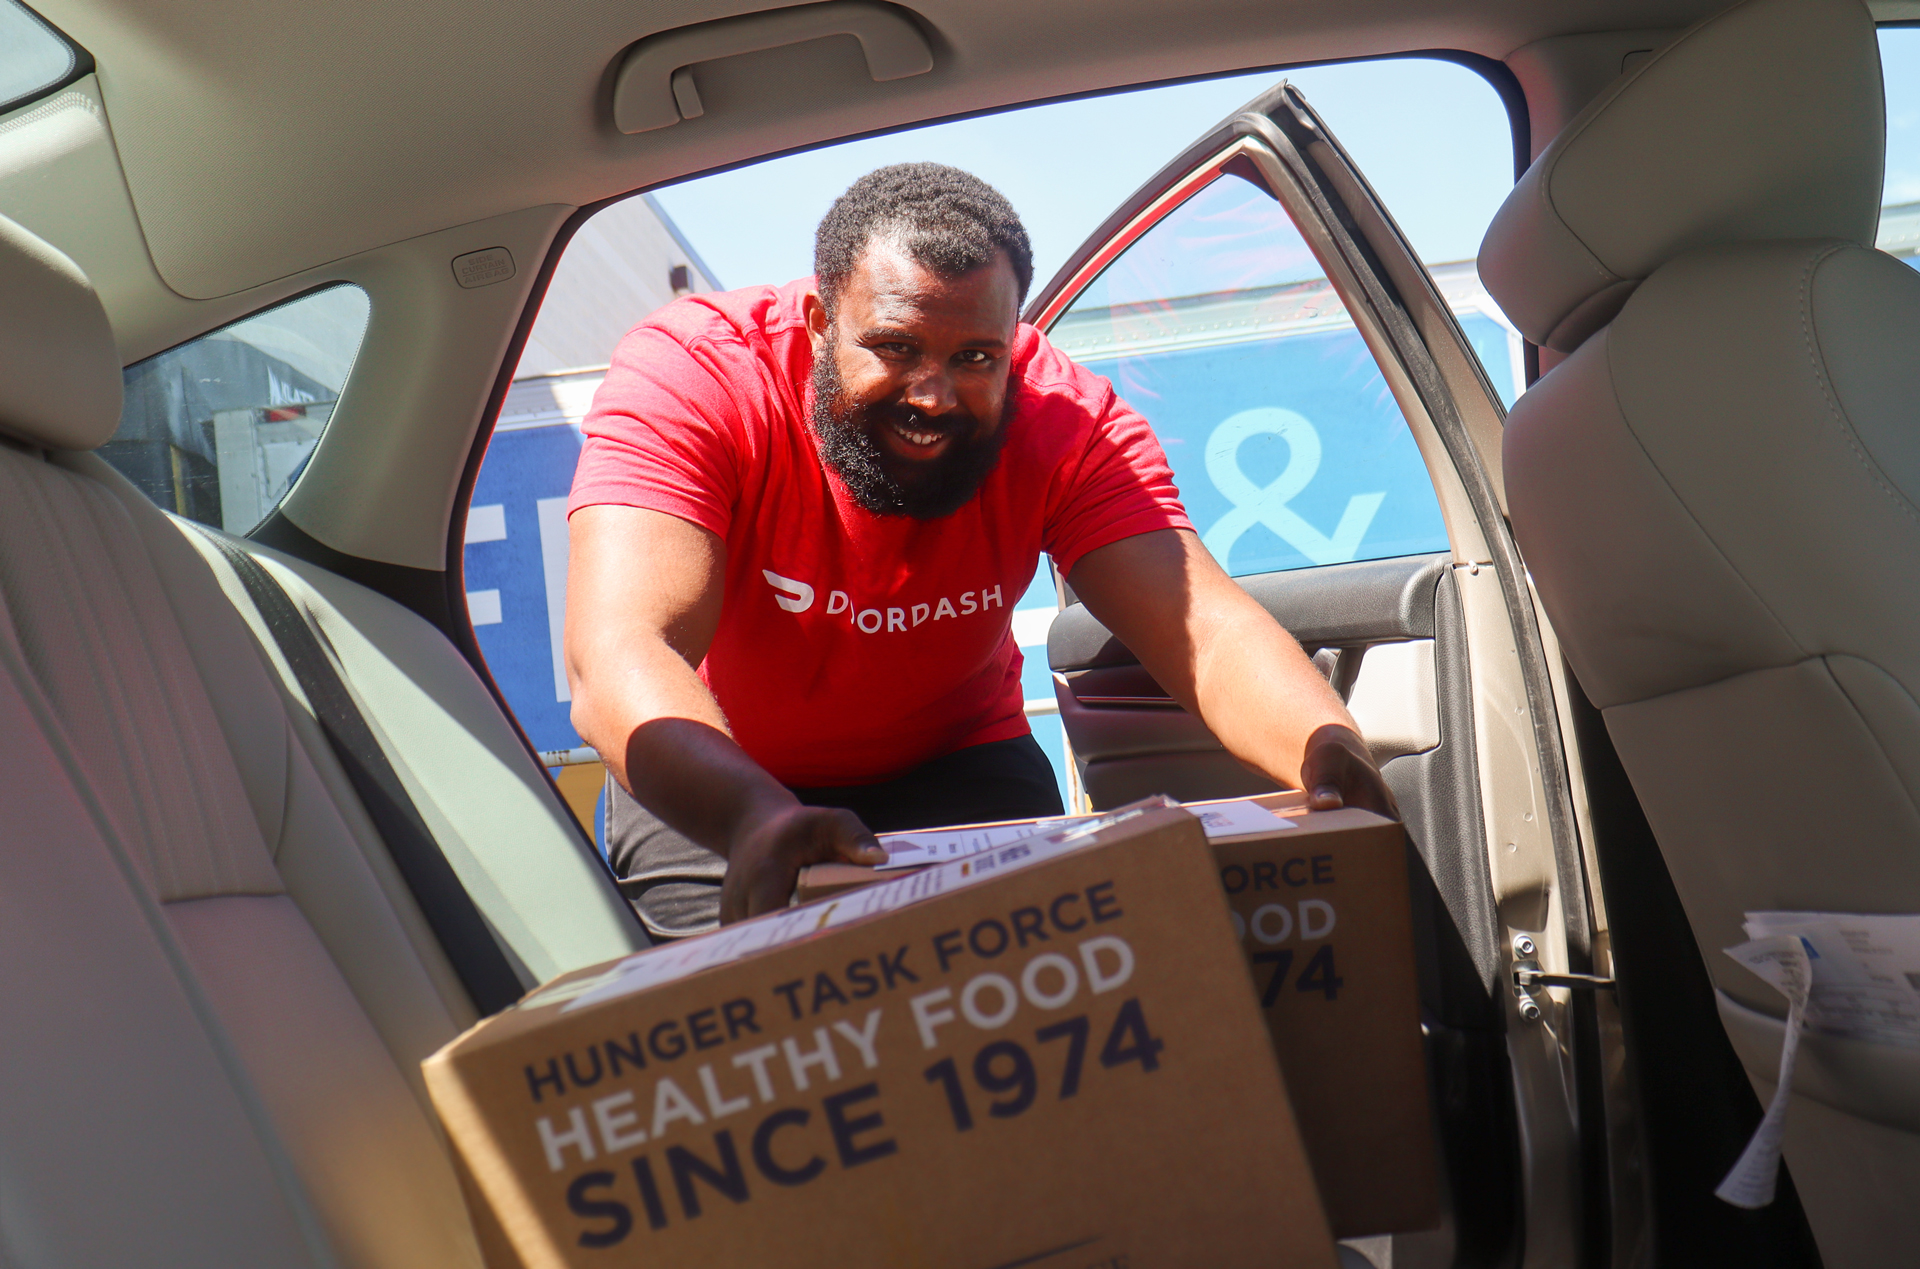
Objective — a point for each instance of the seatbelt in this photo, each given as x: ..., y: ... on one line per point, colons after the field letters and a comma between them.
x: 483, y: 968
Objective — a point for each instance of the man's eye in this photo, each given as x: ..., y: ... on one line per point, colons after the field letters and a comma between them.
x: 892, y: 350
x: 974, y: 357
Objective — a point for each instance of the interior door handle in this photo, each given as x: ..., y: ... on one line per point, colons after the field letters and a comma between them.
x: 652, y: 91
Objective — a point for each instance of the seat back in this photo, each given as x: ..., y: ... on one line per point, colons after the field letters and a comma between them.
x: 217, y: 989
x: 1718, y: 495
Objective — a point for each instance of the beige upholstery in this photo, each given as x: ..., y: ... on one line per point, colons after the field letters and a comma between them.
x: 1718, y: 495
x: 1762, y: 123
x: 215, y: 989
x: 59, y: 370
x: 514, y: 845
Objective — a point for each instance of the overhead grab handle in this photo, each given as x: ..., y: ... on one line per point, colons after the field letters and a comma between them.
x: 654, y: 89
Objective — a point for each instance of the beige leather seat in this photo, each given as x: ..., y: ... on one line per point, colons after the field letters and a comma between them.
x: 215, y: 989
x: 1718, y: 494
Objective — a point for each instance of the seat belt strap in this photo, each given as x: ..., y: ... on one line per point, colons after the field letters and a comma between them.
x: 449, y: 910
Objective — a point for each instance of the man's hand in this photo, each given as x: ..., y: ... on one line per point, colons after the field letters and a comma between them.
x: 765, y: 860
x: 1338, y: 771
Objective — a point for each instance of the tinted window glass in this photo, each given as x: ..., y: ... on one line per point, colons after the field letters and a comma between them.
x: 1219, y: 326
x: 33, y: 57
x: 218, y: 430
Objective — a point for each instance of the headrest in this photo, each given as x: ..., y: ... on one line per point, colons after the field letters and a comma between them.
x: 59, y: 366
x: 1763, y: 122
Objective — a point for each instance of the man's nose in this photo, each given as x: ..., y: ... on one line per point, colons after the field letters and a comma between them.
x: 930, y: 391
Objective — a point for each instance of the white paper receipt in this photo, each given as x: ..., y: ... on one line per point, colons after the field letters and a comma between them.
x: 1855, y: 977
x: 1866, y: 972
x: 1782, y: 961
x: 1230, y: 819
x: 938, y: 845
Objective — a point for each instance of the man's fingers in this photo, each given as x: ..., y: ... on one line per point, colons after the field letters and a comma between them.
x: 863, y: 849
x: 1325, y: 797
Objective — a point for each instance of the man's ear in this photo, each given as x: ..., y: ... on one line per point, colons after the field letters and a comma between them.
x: 815, y: 310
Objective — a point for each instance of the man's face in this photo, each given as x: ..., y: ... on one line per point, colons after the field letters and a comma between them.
x: 910, y: 380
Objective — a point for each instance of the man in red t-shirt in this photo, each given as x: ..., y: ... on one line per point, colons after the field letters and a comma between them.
x: 800, y: 522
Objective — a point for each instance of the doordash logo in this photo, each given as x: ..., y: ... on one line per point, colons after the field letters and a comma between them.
x: 797, y: 597
x: 794, y: 596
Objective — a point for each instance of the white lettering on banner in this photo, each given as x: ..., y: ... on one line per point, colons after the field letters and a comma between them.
x: 794, y: 596
x: 839, y: 602
x: 1255, y: 505
x: 551, y: 514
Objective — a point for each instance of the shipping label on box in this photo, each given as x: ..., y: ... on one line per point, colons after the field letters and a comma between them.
x: 1324, y: 914
x: 1043, y: 1055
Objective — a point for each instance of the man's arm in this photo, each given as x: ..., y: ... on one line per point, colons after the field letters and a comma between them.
x: 1220, y: 654
x: 643, y: 601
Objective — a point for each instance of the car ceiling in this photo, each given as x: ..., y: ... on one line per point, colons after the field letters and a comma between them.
x: 263, y: 138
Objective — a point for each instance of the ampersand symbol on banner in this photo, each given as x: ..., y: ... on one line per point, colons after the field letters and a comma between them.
x: 1253, y: 504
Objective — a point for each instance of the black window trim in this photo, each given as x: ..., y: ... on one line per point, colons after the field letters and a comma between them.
x: 83, y: 64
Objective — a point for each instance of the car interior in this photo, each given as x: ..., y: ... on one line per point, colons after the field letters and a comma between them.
x: 273, y: 835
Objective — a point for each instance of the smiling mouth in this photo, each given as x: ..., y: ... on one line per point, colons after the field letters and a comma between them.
x: 919, y: 442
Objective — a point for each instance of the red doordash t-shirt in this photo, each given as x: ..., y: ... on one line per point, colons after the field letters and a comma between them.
x: 853, y: 647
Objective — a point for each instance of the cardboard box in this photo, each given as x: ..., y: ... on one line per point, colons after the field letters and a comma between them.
x: 1045, y: 1055
x: 1324, y: 916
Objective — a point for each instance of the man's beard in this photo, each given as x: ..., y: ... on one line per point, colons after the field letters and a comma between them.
x: 938, y: 487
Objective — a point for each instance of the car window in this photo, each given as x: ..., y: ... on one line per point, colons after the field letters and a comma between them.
x: 217, y: 430
x: 1900, y: 211
x: 33, y: 56
x: 1220, y: 327
x: 1432, y: 134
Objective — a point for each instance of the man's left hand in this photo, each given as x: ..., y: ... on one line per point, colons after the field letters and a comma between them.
x: 1336, y: 770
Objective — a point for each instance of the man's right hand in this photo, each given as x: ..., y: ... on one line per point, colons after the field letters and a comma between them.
x: 765, y: 859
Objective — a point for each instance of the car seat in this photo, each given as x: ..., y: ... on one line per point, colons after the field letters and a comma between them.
x: 216, y: 986
x: 1716, y: 495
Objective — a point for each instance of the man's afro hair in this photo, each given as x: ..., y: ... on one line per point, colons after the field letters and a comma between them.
x: 949, y: 220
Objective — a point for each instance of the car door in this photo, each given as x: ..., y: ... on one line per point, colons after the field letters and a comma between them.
x: 1336, y: 441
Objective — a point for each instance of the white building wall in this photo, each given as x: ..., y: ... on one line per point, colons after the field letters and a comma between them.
x: 615, y: 272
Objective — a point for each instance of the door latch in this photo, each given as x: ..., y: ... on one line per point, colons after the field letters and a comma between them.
x: 1528, y: 977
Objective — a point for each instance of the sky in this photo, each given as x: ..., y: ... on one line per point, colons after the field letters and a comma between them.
x: 1432, y: 137
x: 1900, y: 68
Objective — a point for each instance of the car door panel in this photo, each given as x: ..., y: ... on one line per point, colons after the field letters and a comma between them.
x: 1130, y: 739
x: 1437, y: 647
